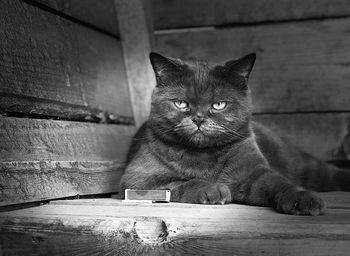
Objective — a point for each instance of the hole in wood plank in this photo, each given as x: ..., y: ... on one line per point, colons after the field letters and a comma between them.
x: 151, y: 230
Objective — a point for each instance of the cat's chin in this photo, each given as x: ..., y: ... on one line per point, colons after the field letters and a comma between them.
x: 200, y: 140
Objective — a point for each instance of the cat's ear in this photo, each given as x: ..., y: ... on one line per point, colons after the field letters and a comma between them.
x: 163, y: 65
x: 242, y: 66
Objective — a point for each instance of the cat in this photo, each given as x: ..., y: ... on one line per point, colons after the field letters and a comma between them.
x: 201, y: 143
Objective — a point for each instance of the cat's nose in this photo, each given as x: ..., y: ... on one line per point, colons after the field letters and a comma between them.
x: 198, y: 120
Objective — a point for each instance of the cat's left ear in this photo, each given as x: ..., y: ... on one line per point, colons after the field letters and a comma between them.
x: 242, y: 66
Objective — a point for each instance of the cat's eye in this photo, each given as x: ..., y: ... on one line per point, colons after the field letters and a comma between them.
x: 181, y: 104
x: 219, y: 105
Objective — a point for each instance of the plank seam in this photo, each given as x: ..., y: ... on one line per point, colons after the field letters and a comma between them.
x: 301, y: 112
x: 68, y: 17
x: 104, y: 119
x: 185, y: 29
x: 38, y: 108
x: 277, y: 22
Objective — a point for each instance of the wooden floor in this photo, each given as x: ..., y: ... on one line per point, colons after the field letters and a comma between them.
x: 111, y: 227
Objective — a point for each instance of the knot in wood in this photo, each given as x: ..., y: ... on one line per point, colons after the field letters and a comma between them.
x: 151, y: 230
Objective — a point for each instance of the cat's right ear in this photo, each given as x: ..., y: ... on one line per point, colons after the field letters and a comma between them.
x: 163, y: 66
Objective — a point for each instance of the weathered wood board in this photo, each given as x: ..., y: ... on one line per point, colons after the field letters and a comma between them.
x: 319, y: 134
x: 301, y: 66
x: 28, y: 106
x: 22, y: 182
x: 47, y: 57
x: 80, y: 243
x: 100, y: 14
x: 108, y: 226
x: 136, y: 44
x: 23, y: 139
x: 195, y: 13
x: 45, y: 159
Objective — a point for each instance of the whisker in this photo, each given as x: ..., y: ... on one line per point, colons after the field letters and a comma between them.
x: 237, y: 118
x: 231, y: 130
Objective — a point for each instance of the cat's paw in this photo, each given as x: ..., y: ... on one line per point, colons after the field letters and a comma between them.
x: 213, y: 194
x: 300, y: 203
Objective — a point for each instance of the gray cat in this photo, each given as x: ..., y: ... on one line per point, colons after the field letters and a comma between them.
x: 201, y: 143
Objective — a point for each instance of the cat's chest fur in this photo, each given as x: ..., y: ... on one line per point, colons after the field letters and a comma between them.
x: 189, y: 164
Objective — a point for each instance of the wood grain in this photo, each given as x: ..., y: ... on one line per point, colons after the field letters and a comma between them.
x: 27, y: 106
x: 45, y: 159
x: 187, y: 220
x: 23, y: 139
x: 302, y: 66
x: 47, y: 57
x: 334, y: 200
x: 114, y: 227
x: 67, y: 244
x: 101, y: 14
x: 134, y: 25
x: 195, y: 13
x: 321, y: 135
x: 22, y: 182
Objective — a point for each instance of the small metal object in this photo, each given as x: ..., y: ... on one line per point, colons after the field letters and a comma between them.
x: 144, y: 196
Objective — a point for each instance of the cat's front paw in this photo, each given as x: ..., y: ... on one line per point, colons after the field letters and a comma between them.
x: 213, y: 194
x: 299, y: 203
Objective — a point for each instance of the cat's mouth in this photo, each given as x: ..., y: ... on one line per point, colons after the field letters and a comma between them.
x: 199, y: 130
x: 199, y: 135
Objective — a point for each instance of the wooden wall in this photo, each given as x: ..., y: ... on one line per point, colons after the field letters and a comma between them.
x: 300, y: 83
x: 75, y: 80
x: 66, y: 117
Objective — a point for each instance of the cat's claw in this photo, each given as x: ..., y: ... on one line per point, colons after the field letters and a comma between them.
x: 300, y: 203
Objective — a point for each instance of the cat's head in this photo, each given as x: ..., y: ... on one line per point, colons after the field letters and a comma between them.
x: 198, y: 104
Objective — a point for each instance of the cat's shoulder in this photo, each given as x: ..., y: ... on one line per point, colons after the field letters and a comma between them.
x: 259, y: 128
x: 137, y: 141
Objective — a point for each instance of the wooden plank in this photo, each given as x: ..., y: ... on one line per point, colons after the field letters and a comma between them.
x: 50, y: 58
x: 334, y: 200
x: 23, y: 139
x: 337, y: 200
x: 22, y: 182
x: 45, y: 159
x: 196, y: 13
x: 134, y: 26
x: 198, y: 229
x: 182, y: 223
x: 240, y: 221
x: 66, y: 244
x: 321, y: 135
x: 28, y: 106
x: 100, y: 14
x: 289, y: 75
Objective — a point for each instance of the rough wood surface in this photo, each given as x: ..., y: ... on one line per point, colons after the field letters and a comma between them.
x: 23, y: 139
x: 101, y: 14
x: 334, y: 200
x: 45, y: 159
x: 22, y: 182
x: 27, y: 106
x: 320, y: 134
x: 71, y: 244
x: 301, y: 66
x: 134, y: 26
x: 194, y: 13
x: 83, y: 227
x: 47, y: 57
